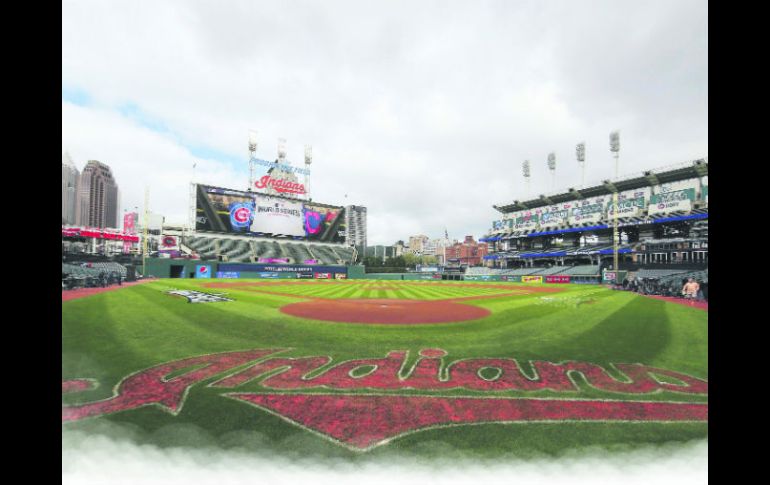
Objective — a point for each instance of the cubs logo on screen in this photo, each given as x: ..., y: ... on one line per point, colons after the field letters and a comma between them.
x: 240, y: 215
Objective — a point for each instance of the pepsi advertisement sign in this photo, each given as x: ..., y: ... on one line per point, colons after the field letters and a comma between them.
x: 203, y: 271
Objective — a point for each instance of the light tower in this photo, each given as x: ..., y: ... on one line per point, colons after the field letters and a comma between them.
x: 191, y: 208
x: 145, y: 231
x: 615, y: 149
x: 552, y: 168
x: 308, y: 161
x: 580, y: 151
x: 525, y: 170
x: 281, y: 150
x: 252, y: 156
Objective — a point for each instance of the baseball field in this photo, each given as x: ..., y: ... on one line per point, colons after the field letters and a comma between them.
x: 363, y: 368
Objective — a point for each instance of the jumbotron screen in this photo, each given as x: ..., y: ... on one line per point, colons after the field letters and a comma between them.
x: 238, y: 212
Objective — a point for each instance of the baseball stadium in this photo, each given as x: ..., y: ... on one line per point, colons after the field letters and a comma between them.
x: 258, y: 320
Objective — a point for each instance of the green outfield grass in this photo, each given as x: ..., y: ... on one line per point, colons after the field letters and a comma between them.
x: 109, y: 336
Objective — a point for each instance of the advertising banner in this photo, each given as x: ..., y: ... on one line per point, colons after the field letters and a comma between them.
x: 587, y: 211
x: 322, y: 276
x: 129, y: 222
x: 554, y: 216
x: 502, y: 225
x: 531, y: 279
x: 272, y: 260
x: 626, y: 208
x: 556, y: 278
x: 228, y: 274
x: 169, y: 243
x: 524, y: 220
x: 693, y: 183
x: 340, y: 276
x: 268, y: 275
x: 679, y: 200
x: 273, y: 215
x: 511, y: 278
x: 203, y: 271
x: 289, y: 268
x: 609, y: 276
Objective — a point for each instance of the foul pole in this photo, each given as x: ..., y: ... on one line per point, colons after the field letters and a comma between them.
x: 145, y: 232
x: 615, y: 237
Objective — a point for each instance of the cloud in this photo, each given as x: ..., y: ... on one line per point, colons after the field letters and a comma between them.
x: 97, y: 458
x: 421, y: 112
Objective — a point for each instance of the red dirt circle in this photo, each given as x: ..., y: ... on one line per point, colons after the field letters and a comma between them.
x: 385, y: 311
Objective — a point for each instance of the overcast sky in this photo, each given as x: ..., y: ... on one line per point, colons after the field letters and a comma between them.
x: 421, y: 111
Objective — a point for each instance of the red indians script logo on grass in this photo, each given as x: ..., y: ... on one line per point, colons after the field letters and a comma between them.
x: 280, y: 185
x: 378, y: 412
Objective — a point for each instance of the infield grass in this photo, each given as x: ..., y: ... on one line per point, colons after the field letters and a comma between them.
x: 111, y: 335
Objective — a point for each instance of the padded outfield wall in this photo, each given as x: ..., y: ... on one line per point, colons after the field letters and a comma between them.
x: 185, y: 268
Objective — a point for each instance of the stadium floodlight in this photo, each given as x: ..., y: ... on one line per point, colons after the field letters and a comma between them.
x: 525, y: 169
x: 252, y: 151
x: 252, y: 141
x: 615, y: 148
x: 580, y: 151
x: 282, y: 149
x: 308, y: 161
x: 552, y: 168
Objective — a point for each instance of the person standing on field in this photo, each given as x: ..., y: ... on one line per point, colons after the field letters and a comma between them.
x: 690, y: 290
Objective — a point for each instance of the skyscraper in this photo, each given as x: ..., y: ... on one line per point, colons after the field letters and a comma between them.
x: 355, y: 220
x: 97, y: 202
x: 69, y: 189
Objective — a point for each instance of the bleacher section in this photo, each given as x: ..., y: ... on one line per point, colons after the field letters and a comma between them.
x: 658, y: 273
x: 564, y: 251
x: 325, y: 254
x: 204, y: 246
x: 582, y: 270
x: 521, y: 271
x: 552, y: 270
x: 75, y: 269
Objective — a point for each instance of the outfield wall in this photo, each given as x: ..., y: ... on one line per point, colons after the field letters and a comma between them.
x: 185, y: 268
x: 400, y: 276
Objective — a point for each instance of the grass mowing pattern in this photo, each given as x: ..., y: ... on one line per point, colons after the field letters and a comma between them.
x: 110, y: 335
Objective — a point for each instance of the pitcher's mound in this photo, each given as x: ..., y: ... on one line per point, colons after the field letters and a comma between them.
x: 385, y: 311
